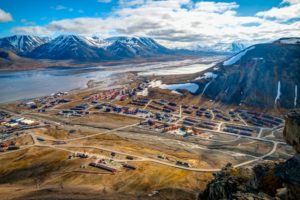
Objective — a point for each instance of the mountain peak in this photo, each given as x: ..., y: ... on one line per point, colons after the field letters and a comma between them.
x: 21, y: 43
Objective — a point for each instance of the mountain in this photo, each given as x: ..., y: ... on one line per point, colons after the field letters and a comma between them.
x: 81, y: 48
x: 221, y: 48
x: 70, y: 47
x: 129, y: 47
x: 7, y: 58
x: 10, y: 61
x: 22, y: 44
x: 263, y: 75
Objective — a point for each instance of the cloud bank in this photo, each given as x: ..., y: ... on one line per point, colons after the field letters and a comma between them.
x: 182, y: 23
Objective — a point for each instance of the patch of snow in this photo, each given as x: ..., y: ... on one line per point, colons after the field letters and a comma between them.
x: 207, y: 75
x: 290, y: 41
x: 296, y: 95
x: 191, y: 87
x: 237, y: 57
x: 206, y: 86
x: 278, y: 93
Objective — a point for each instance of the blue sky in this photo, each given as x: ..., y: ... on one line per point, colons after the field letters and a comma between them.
x: 172, y: 22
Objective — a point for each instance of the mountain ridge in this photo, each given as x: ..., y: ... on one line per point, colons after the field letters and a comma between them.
x: 85, y: 48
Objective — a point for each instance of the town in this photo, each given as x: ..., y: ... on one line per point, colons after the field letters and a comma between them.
x: 194, y: 124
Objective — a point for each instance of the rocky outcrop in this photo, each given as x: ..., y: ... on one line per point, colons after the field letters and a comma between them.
x: 292, y: 129
x: 289, y: 172
x: 265, y: 180
x: 259, y: 182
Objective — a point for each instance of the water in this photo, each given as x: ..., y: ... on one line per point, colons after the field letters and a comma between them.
x: 41, y: 82
x: 33, y: 83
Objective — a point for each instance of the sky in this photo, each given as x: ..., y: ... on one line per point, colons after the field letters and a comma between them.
x: 173, y: 23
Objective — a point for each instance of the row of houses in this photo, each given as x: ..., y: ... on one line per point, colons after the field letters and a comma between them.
x: 260, y: 119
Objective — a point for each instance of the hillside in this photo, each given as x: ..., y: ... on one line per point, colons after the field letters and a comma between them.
x: 11, y: 61
x: 263, y: 76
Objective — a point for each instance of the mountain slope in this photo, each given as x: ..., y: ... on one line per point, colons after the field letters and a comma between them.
x: 68, y: 47
x: 10, y: 61
x: 264, y: 75
x: 21, y: 44
x: 129, y: 47
x: 7, y: 58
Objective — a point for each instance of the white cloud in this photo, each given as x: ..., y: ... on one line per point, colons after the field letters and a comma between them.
x: 5, y: 16
x: 291, y: 1
x: 126, y: 3
x: 61, y: 7
x: 34, y: 30
x: 217, y: 7
x: 26, y: 22
x: 104, y: 1
x: 175, y: 23
x: 285, y: 13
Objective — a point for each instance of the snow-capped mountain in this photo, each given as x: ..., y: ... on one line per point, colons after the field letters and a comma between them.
x: 124, y: 47
x: 22, y: 44
x: 231, y: 48
x: 84, y: 48
x: 69, y: 47
x: 263, y: 75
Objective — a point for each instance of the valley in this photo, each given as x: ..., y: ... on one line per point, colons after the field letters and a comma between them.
x: 149, y: 100
x: 44, y: 81
x: 132, y: 136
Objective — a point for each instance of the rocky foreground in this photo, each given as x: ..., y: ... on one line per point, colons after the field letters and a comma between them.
x: 265, y: 180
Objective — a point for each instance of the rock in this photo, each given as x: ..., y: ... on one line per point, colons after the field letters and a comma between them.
x: 264, y: 177
x: 292, y: 129
x: 258, y: 182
